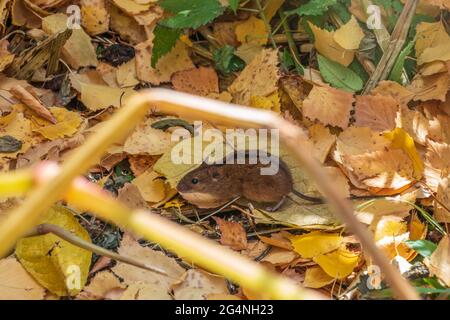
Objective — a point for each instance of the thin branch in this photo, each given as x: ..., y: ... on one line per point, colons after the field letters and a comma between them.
x: 266, y: 22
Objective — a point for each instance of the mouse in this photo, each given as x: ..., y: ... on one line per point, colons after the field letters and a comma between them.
x: 213, y: 185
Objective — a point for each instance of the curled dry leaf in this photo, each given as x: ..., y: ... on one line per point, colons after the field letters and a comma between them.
x: 201, y: 81
x: 232, y: 234
x: 32, y: 102
x: 414, y: 123
x: 259, y: 78
x: 127, y: 27
x: 442, y: 202
x: 328, y: 105
x: 376, y: 112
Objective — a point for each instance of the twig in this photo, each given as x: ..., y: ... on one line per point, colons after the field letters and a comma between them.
x: 396, y: 42
x: 45, y: 228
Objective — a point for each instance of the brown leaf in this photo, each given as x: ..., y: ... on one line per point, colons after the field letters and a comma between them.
x: 328, y: 105
x: 32, y: 102
x: 430, y: 87
x: 376, y: 112
x: 198, y: 285
x: 439, y: 262
x: 259, y: 78
x: 199, y: 81
x: 232, y: 234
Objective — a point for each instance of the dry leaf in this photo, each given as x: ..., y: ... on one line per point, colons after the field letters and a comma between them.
x: 430, y: 87
x: 199, y: 81
x: 94, y: 16
x: 16, y: 283
x: 339, y: 263
x: 393, y: 89
x: 316, y: 243
x: 126, y: 74
x: 100, y: 285
x: 316, y: 278
x: 66, y: 125
x: 151, y: 186
x: 376, y: 112
x: 433, y: 42
x: 253, y: 30
x: 196, y: 284
x: 78, y: 50
x: 328, y: 47
x: 349, y: 35
x: 232, y: 234
x: 322, y: 140
x: 148, y: 140
x: 328, y: 105
x: 176, y: 60
x: 259, y: 78
x: 439, y: 262
x: 32, y: 102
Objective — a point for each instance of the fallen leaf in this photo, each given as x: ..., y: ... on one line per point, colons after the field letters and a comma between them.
x: 66, y: 125
x: 433, y: 42
x: 259, y: 78
x: 126, y: 74
x: 144, y: 291
x: 316, y: 243
x: 430, y: 87
x: 322, y: 140
x: 16, y: 283
x: 30, y: 101
x: 131, y: 274
x: 376, y: 112
x: 316, y: 278
x: 199, y: 81
x: 150, y: 185
x: 232, y: 234
x: 328, y: 47
x: 100, y: 285
x: 339, y: 263
x: 94, y: 16
x: 253, y: 30
x: 328, y: 105
x: 439, y: 262
x: 78, y: 50
x: 393, y: 89
x: 56, y: 264
x: 349, y: 35
x: 196, y: 284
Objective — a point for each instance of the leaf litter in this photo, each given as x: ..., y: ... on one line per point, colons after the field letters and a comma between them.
x: 59, y: 85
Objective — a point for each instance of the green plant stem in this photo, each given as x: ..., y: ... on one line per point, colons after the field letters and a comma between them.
x: 266, y: 22
x: 291, y: 43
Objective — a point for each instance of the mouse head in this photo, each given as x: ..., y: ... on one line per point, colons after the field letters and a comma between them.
x: 206, y: 178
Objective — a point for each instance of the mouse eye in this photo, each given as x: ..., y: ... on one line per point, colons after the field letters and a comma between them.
x: 194, y: 181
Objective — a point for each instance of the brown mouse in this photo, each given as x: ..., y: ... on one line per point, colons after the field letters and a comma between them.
x: 213, y: 185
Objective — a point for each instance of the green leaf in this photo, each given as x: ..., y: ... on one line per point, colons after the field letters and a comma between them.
x: 396, y: 72
x: 190, y: 14
x: 424, y: 247
x: 234, y: 5
x: 339, y: 76
x: 165, y: 39
x: 313, y: 8
x: 226, y: 61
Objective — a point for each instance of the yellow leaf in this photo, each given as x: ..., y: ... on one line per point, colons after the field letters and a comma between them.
x: 402, y: 140
x: 151, y: 186
x: 96, y: 97
x: 56, y: 264
x: 19, y: 127
x: 328, y: 47
x: 252, y: 30
x: 349, y: 36
x: 316, y: 243
x: 66, y: 125
x: 131, y: 7
x: 78, y: 50
x: 316, y: 278
x: 126, y: 74
x: 339, y: 263
x: 271, y: 102
x: 94, y: 16
x: 271, y: 7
